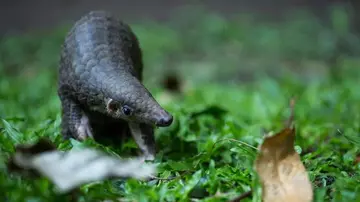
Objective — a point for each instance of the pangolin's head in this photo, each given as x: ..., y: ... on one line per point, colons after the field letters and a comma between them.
x: 131, y: 101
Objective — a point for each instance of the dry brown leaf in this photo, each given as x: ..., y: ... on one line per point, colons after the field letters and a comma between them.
x: 283, y: 176
x: 71, y: 169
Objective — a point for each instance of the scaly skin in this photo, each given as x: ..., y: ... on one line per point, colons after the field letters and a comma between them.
x: 100, y: 77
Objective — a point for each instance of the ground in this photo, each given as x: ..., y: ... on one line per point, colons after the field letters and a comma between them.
x: 210, y: 58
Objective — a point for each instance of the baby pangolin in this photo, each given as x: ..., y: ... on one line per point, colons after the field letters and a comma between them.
x: 100, y: 84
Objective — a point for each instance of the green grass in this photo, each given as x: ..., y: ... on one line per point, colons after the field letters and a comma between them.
x: 210, y: 55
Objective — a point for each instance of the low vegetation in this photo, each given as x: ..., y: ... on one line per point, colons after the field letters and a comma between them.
x: 236, y: 80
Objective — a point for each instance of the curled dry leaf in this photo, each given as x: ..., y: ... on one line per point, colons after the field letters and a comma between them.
x: 283, y: 176
x: 68, y: 170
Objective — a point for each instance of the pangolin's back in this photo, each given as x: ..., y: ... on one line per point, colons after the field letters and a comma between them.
x: 99, y: 52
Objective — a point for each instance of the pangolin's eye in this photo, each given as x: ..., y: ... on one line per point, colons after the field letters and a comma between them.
x: 126, y: 110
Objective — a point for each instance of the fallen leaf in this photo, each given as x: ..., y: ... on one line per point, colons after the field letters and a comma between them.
x: 42, y: 145
x: 68, y: 170
x: 283, y: 176
x: 242, y: 196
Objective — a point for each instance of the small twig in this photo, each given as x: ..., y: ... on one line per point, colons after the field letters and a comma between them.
x: 292, y: 113
x: 242, y: 196
x: 229, y: 139
x: 237, y: 141
x: 169, y: 178
x: 160, y: 178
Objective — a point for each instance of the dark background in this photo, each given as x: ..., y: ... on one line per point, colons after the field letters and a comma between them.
x: 26, y: 15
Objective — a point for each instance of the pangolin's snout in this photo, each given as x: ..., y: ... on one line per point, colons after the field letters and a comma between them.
x: 164, y: 119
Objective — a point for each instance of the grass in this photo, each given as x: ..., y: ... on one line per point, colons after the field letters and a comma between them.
x: 210, y: 55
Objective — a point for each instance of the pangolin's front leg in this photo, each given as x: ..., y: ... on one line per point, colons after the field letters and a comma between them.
x: 144, y: 138
x: 75, y: 123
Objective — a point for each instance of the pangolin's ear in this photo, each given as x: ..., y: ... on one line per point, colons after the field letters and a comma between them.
x: 112, y: 106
